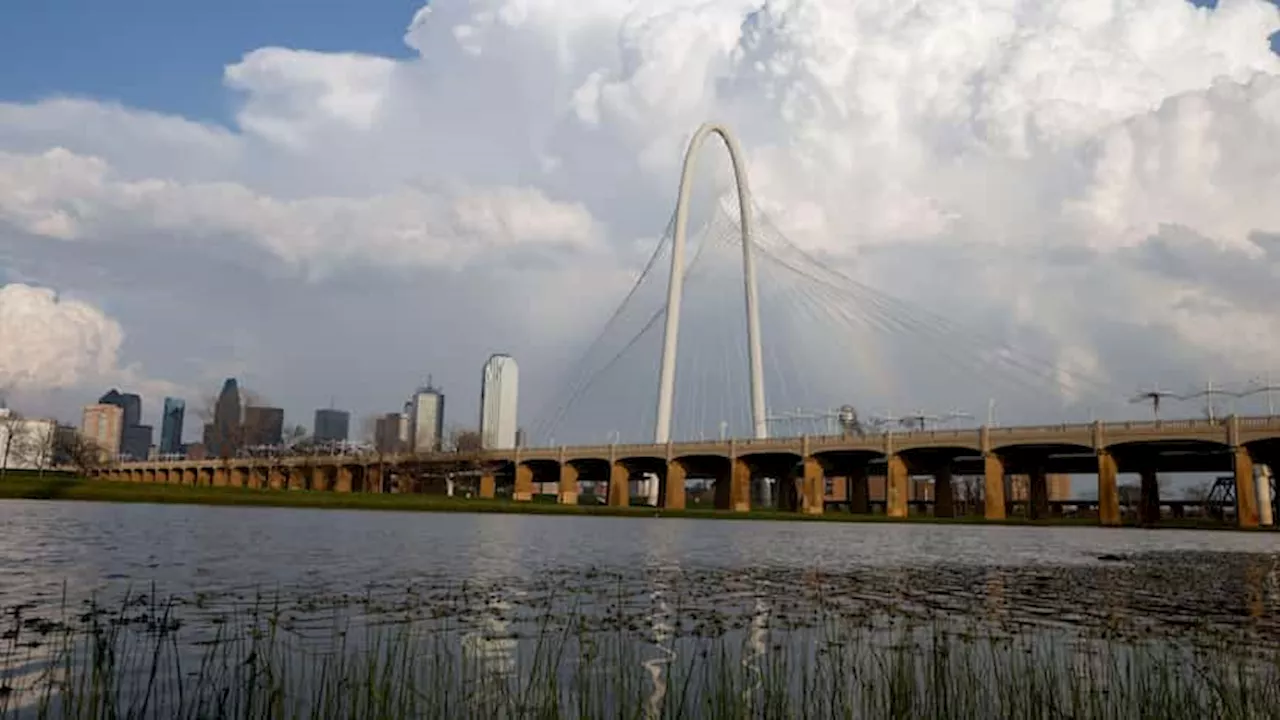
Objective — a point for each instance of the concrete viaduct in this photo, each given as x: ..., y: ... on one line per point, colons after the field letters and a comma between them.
x: 807, y: 464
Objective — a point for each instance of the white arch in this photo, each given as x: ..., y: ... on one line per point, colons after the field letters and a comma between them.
x: 675, y: 287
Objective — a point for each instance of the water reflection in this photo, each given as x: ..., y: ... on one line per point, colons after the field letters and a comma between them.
x: 489, y: 583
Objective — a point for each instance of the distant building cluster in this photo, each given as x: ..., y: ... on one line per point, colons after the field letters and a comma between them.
x: 237, y: 424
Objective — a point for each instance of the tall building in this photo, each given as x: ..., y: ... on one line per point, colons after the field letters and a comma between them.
x: 332, y: 425
x: 225, y: 437
x: 104, y: 425
x: 425, y: 411
x: 499, y: 393
x: 135, y: 442
x: 387, y: 435
x: 175, y: 410
x: 135, y: 438
x: 130, y: 403
x: 263, y: 426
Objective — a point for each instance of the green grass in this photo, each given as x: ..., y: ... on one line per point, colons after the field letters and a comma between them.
x: 139, y: 660
x: 69, y: 487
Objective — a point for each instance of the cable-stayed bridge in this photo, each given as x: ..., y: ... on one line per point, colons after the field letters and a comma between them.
x: 729, y: 322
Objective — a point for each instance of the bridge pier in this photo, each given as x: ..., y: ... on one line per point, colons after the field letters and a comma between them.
x: 1246, y: 489
x: 236, y: 477
x: 944, y: 504
x: 567, y: 491
x: 298, y: 478
x: 1108, y: 492
x: 896, y: 487
x: 1266, y: 504
x: 1149, y: 496
x: 619, y: 485
x: 993, y: 487
x: 740, y: 486
x: 344, y: 478
x: 488, y: 485
x: 1037, y: 493
x: 813, y: 487
x: 220, y: 477
x: 673, y: 495
x: 859, y: 491
x: 524, y: 483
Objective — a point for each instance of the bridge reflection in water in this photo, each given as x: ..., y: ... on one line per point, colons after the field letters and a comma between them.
x: 806, y: 468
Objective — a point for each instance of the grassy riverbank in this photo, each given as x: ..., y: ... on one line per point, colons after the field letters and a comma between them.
x: 141, y: 660
x: 67, y: 487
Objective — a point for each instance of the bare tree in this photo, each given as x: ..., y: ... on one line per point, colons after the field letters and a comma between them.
x: 14, y: 439
x: 81, y: 452
x: 43, y: 437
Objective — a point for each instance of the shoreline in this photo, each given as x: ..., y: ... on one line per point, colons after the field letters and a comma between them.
x: 72, y: 488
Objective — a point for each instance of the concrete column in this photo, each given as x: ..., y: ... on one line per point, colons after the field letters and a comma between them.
x: 740, y: 486
x: 944, y: 503
x: 1108, y: 492
x: 859, y: 491
x: 1149, y: 499
x: 343, y: 484
x: 524, y: 483
x: 319, y: 478
x: 896, y: 482
x: 1266, y: 505
x: 674, y: 497
x: 813, y: 488
x: 1246, y: 489
x: 568, y: 490
x: 619, y: 485
x: 298, y: 478
x: 277, y: 478
x: 488, y: 485
x: 1037, y: 493
x: 235, y: 477
x: 220, y: 477
x: 993, y: 487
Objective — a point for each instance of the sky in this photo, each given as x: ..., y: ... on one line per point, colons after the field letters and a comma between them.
x: 333, y: 201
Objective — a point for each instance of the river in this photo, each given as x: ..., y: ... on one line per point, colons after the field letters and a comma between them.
x: 666, y: 582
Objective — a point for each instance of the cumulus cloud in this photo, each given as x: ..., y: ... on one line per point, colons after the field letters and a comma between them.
x: 51, y: 343
x: 1045, y: 170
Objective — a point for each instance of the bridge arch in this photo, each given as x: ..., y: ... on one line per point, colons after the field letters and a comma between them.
x: 675, y: 286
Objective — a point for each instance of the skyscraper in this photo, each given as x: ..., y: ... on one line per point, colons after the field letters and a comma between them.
x: 226, y: 437
x: 387, y: 437
x: 263, y: 426
x: 103, y: 424
x: 135, y: 438
x: 130, y: 403
x: 332, y: 425
x: 426, y: 419
x: 175, y: 410
x: 499, y: 390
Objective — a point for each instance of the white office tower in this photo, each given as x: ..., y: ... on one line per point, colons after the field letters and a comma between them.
x: 425, y: 410
x: 499, y: 394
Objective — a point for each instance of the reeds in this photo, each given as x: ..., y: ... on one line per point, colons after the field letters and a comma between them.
x: 142, y: 659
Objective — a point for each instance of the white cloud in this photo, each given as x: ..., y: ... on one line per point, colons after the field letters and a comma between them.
x: 52, y: 343
x: 953, y: 152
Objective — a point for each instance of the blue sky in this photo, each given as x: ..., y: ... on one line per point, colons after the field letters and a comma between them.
x: 168, y: 55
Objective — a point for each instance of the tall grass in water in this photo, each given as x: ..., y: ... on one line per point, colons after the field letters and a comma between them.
x: 141, y: 661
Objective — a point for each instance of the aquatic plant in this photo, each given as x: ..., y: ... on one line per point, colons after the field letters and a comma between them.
x: 366, y: 658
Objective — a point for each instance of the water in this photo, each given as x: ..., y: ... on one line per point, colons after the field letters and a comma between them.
x: 491, y: 581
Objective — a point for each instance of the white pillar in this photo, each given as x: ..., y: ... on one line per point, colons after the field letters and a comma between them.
x: 675, y: 288
x: 1263, y: 482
